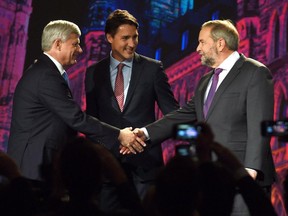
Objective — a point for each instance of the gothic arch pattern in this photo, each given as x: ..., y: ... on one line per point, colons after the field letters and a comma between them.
x: 272, y: 41
x: 284, y: 26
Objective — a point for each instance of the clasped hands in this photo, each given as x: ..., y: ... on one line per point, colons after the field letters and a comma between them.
x: 132, y: 141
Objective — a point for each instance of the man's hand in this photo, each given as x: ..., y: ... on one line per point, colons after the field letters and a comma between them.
x: 130, y: 142
x: 140, y: 134
x: 140, y: 138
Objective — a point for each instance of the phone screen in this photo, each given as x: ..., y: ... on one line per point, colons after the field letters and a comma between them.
x: 186, y: 132
x: 274, y: 128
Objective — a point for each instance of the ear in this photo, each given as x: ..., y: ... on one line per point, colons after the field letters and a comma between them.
x: 58, y: 44
x: 221, y: 44
x: 109, y: 38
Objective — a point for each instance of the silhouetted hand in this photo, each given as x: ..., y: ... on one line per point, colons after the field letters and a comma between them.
x: 206, y: 144
x: 112, y: 169
x: 8, y: 167
x: 225, y: 156
x: 203, y: 141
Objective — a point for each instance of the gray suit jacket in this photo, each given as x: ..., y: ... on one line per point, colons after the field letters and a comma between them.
x: 242, y: 101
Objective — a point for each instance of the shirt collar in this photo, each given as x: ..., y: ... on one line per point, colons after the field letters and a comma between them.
x: 58, y: 65
x: 114, y: 63
x: 229, y: 62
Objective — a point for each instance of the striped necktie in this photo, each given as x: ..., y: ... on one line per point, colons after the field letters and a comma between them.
x: 119, y: 87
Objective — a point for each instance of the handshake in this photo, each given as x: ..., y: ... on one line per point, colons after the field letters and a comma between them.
x: 132, y: 141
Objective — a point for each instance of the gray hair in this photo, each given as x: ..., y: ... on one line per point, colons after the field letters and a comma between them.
x: 226, y: 30
x: 58, y: 29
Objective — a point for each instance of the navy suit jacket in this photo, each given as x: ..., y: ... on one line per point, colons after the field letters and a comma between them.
x: 45, y: 117
x: 148, y: 85
x: 242, y: 101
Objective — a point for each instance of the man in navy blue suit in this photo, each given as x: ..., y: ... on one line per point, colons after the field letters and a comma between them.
x: 145, y: 83
x: 45, y: 116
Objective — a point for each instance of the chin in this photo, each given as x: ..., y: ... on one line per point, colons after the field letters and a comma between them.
x: 129, y: 56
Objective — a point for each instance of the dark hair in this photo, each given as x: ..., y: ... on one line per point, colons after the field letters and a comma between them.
x: 176, y: 187
x: 81, y: 167
x: 117, y: 18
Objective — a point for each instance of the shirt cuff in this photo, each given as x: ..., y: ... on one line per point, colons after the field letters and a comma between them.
x: 254, y: 172
x: 146, y: 133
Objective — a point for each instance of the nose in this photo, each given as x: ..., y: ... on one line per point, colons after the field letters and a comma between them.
x: 80, y: 49
x: 132, y: 43
x: 198, y: 48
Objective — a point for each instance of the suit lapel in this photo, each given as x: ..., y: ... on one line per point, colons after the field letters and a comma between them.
x: 54, y: 69
x: 135, y: 75
x: 226, y: 82
x: 105, y: 81
x: 48, y: 61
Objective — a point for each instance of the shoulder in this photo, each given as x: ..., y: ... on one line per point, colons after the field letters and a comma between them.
x: 254, y: 67
x: 250, y: 62
x: 145, y: 59
x: 40, y: 67
x: 101, y: 64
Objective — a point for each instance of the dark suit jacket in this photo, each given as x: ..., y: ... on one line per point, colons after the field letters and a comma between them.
x: 242, y: 101
x: 148, y: 84
x: 45, y: 115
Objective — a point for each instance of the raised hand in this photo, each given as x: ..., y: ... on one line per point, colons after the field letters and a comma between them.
x: 130, y: 141
x: 113, y: 169
x: 8, y: 167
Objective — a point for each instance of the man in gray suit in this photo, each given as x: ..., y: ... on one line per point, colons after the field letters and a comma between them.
x: 243, y: 98
x: 45, y: 116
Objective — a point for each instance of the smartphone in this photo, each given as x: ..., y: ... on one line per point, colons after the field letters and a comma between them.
x: 185, y: 150
x: 187, y: 132
x: 277, y: 128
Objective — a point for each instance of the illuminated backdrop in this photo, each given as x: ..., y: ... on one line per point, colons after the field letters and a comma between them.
x: 168, y: 31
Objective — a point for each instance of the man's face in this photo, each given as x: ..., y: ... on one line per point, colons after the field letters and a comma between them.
x: 124, y: 42
x: 207, y: 48
x: 70, y: 49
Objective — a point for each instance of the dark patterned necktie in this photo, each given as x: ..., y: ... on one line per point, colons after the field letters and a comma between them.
x: 119, y: 87
x: 212, y: 90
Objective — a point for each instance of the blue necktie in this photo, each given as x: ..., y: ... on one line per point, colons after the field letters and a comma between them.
x: 212, y: 91
x: 65, y: 76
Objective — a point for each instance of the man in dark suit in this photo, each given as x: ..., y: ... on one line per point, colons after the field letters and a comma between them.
x: 145, y: 83
x: 44, y: 115
x: 243, y: 99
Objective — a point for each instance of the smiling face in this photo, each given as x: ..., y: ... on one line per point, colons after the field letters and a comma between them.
x: 69, y: 50
x: 124, y: 42
x: 207, y: 48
